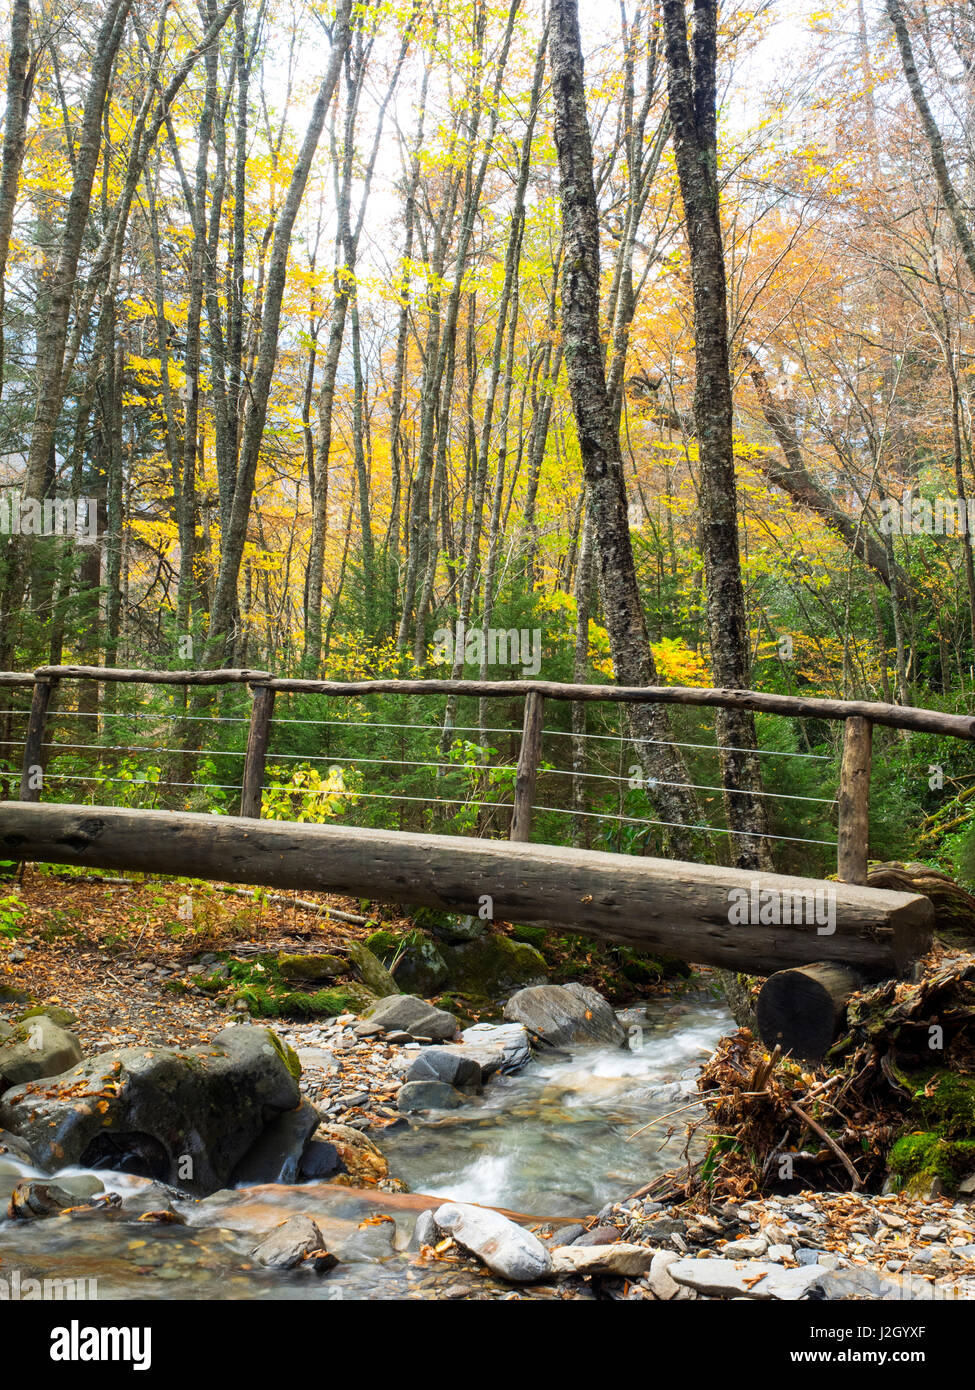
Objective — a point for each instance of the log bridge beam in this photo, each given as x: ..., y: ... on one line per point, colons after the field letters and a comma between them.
x: 702, y: 913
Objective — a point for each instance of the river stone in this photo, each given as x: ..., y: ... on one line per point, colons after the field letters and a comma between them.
x: 620, y: 1260
x: 17, y: 1148
x: 36, y: 1048
x: 661, y: 1284
x: 504, y: 1047
x: 35, y: 1197
x: 319, y: 1160
x: 493, y: 965
x: 185, y: 1117
x: 426, y: 1231
x: 743, y: 1278
x: 564, y: 1014
x: 362, y: 1162
x: 506, y: 1248
x: 371, y: 970
x: 406, y: 1013
x: 428, y: 1095
x: 276, y: 1155
x: 448, y: 1064
x: 288, y: 1244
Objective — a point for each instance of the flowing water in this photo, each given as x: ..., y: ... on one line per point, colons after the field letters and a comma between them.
x: 555, y: 1138
x: 553, y: 1141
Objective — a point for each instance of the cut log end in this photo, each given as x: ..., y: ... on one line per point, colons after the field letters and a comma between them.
x: 802, y: 1010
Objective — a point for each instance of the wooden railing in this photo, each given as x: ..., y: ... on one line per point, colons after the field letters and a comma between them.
x: 858, y: 717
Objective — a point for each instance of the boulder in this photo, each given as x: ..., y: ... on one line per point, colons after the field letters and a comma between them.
x: 405, y: 1013
x: 184, y: 1117
x: 311, y: 969
x: 620, y: 1260
x: 412, y: 958
x: 290, y: 1243
x: 36, y: 1048
x: 493, y: 965
x: 447, y: 926
x: 371, y: 970
x: 504, y: 1047
x: 428, y: 1095
x: 449, y: 1065
x: 17, y: 1148
x: 564, y: 1014
x: 507, y: 1249
x: 277, y: 1153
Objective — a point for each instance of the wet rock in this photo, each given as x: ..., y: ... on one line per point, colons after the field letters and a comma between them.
x: 17, y: 1148
x: 362, y: 1163
x: 428, y: 1095
x: 743, y: 1279
x: 368, y: 1244
x: 448, y: 1065
x: 493, y: 965
x: 371, y: 970
x: 290, y: 1243
x: 36, y: 1048
x: 506, y: 1248
x: 319, y: 1160
x: 426, y: 1231
x: 276, y: 1155
x: 503, y: 1047
x: 414, y: 1016
x: 37, y: 1197
x: 620, y: 1260
x: 566, y: 1014
x: 186, y: 1117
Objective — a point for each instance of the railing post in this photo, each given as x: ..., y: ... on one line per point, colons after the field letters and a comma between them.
x: 528, y: 759
x: 32, y: 771
x: 853, y: 840
x: 258, y: 736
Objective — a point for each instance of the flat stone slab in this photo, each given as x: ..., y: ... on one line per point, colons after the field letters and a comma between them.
x: 744, y: 1278
x: 620, y: 1260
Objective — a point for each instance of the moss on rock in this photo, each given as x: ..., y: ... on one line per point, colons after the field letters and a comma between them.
x: 493, y: 965
x: 413, y: 959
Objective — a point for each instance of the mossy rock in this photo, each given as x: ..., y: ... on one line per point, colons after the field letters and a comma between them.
x: 919, y: 1160
x: 493, y: 965
x: 62, y: 1017
x: 532, y: 936
x: 371, y: 970
x: 448, y: 926
x: 419, y: 966
x: 309, y: 969
x: 261, y: 986
x: 287, y: 1053
x: 10, y: 994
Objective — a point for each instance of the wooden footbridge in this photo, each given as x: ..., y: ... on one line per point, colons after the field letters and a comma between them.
x: 760, y: 923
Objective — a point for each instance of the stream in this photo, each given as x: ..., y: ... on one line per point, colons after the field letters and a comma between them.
x: 551, y: 1141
